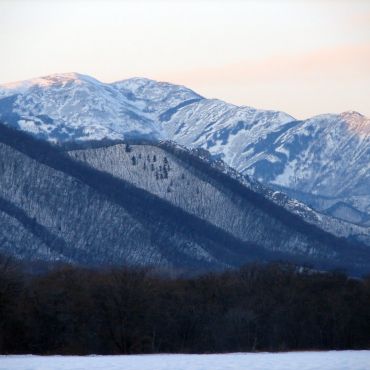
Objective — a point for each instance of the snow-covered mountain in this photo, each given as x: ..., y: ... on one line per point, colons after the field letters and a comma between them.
x: 77, y: 107
x: 148, y: 204
x: 323, y: 161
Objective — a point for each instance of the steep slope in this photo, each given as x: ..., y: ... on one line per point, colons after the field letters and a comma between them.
x: 71, y: 212
x: 213, y: 193
x: 227, y: 131
x: 72, y: 106
x: 80, y: 215
x: 331, y: 162
x: 157, y: 98
x: 323, y: 161
x: 157, y: 168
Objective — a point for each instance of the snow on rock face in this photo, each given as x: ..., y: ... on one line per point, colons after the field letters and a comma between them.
x: 357, y: 122
x: 21, y: 87
x: 329, y: 156
x: 76, y: 107
x: 155, y: 97
x: 228, y: 131
x: 324, y: 159
x: 325, y: 156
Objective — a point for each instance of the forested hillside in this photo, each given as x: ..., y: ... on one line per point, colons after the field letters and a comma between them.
x: 177, y: 212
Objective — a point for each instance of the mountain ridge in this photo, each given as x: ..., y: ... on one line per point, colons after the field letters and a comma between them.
x: 177, y: 238
x: 324, y: 158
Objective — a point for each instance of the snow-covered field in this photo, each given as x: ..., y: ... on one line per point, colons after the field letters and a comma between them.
x: 333, y: 360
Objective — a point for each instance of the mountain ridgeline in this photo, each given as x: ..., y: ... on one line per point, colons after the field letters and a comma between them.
x: 322, y: 161
x: 142, y: 172
x: 149, y: 203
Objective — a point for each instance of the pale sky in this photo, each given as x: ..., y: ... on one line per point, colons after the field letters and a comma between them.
x: 302, y: 57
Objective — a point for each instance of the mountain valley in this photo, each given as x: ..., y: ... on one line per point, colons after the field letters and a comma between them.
x: 268, y: 184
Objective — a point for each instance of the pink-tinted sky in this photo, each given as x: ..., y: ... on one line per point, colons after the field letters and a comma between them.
x: 303, y: 57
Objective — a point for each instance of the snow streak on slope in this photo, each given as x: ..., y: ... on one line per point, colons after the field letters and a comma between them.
x: 323, y: 161
x: 228, y: 131
x: 77, y: 107
x: 155, y: 97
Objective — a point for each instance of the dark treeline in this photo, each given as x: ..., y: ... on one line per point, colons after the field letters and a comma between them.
x: 272, y: 307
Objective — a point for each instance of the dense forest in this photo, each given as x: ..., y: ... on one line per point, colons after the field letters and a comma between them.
x: 271, y: 307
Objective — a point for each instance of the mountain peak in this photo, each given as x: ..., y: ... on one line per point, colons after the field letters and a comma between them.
x: 61, y: 78
x: 322, y: 156
x: 45, y: 81
x: 353, y: 114
x: 146, y: 88
x: 69, y: 76
x: 354, y: 118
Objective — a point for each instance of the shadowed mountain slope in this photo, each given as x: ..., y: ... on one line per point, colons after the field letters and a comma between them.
x: 68, y: 211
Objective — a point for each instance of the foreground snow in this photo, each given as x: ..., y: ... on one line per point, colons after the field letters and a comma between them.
x: 333, y: 360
